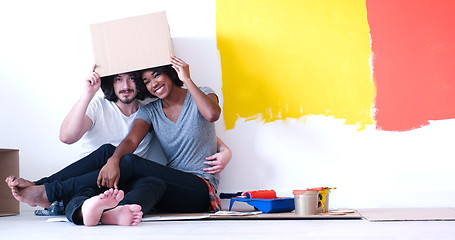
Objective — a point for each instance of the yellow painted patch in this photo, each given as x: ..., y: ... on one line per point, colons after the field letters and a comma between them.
x: 288, y: 59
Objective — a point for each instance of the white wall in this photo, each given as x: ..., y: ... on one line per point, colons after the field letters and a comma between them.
x: 45, y: 53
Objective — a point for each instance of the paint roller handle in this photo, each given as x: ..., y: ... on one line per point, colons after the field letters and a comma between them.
x: 230, y: 195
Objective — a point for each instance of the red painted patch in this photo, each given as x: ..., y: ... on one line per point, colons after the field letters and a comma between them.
x: 413, y: 43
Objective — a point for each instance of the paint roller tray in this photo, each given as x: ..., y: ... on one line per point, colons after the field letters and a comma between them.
x: 284, y: 204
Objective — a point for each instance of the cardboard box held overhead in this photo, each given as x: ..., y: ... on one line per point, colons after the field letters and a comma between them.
x: 9, y: 165
x: 131, y: 44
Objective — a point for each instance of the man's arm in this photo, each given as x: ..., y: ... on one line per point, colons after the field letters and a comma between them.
x: 77, y: 123
x: 219, y: 160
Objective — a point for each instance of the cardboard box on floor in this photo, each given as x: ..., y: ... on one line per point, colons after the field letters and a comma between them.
x: 9, y: 165
x: 131, y: 44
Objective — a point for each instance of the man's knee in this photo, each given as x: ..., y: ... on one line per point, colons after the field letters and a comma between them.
x: 128, y: 158
x: 107, y: 147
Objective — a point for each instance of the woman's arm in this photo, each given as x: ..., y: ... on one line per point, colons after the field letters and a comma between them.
x: 219, y: 160
x: 110, y: 173
x: 206, y: 104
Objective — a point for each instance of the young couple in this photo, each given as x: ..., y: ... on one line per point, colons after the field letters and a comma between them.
x: 182, y: 120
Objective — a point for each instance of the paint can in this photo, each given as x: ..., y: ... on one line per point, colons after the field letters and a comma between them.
x: 306, y: 202
x: 323, y: 201
x: 323, y: 198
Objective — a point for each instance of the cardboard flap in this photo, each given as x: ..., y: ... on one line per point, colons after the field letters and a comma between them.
x: 131, y: 44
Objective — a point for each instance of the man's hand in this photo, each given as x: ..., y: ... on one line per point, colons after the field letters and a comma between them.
x: 93, y: 82
x: 218, y: 161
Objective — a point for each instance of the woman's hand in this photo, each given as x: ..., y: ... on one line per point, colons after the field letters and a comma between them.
x: 182, y: 68
x: 109, y: 175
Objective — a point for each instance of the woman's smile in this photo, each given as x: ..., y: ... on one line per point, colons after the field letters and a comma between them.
x: 159, y: 89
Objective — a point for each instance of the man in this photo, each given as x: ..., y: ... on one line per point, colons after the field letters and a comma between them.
x: 99, y: 120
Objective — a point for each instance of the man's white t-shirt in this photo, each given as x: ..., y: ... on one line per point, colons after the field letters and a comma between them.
x: 110, y: 125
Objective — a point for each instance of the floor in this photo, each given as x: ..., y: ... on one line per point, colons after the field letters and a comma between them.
x: 28, y: 226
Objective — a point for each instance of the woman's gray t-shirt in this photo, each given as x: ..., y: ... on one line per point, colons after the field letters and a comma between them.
x: 187, y: 142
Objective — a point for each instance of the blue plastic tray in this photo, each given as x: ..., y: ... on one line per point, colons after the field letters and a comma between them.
x: 267, y: 205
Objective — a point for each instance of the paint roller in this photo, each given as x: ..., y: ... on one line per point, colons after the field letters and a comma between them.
x: 260, y: 194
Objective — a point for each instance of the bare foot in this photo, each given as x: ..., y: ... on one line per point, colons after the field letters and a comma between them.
x: 32, y: 195
x: 13, y: 181
x: 93, y: 208
x: 126, y: 215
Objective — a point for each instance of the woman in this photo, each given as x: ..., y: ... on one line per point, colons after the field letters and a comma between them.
x: 165, y: 117
x: 183, y: 122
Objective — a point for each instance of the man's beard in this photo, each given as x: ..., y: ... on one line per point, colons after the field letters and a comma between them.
x: 126, y: 100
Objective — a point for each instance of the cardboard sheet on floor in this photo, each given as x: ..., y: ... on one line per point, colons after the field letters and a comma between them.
x: 252, y: 216
x: 231, y: 216
x: 408, y: 214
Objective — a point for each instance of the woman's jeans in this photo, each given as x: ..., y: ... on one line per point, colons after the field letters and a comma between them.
x: 184, y: 192
x: 145, y: 191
